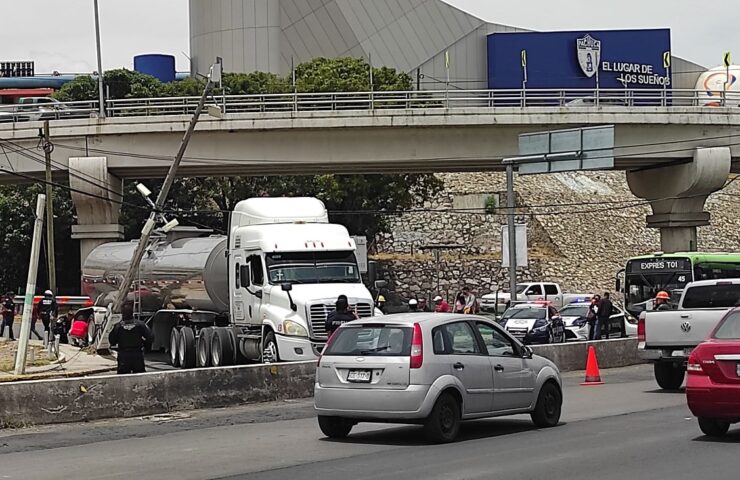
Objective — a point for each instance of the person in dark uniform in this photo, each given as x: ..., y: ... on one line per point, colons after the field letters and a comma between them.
x: 603, y: 316
x: 8, y: 307
x: 340, y: 315
x: 47, y: 311
x: 131, y: 336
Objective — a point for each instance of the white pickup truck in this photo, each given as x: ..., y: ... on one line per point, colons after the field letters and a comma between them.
x: 531, y: 292
x: 668, y: 337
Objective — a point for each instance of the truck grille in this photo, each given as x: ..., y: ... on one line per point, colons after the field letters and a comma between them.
x: 319, y: 312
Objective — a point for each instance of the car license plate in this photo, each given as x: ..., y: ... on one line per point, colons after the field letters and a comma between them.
x: 359, y: 376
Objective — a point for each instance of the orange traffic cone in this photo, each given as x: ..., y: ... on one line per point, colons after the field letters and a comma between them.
x: 593, y: 377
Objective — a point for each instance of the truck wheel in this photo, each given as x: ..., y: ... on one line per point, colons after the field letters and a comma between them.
x: 669, y: 375
x: 546, y: 412
x: 186, y: 349
x: 713, y: 427
x: 203, y: 357
x: 174, y: 347
x: 443, y: 424
x: 270, y: 353
x: 335, y: 427
x: 222, y: 352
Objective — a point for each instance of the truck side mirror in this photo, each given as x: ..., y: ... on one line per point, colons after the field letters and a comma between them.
x: 618, y: 286
x: 287, y: 287
x: 380, y: 284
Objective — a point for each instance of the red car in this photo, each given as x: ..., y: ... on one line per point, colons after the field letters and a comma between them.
x: 713, y: 384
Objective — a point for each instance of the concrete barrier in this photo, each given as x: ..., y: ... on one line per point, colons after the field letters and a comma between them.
x: 112, y: 396
x: 615, y: 353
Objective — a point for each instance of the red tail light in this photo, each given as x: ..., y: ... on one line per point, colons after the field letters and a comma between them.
x: 641, y: 328
x: 328, y: 342
x: 417, y: 348
x: 694, y: 366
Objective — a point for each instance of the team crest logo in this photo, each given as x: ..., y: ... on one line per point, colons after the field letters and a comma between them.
x: 589, y: 54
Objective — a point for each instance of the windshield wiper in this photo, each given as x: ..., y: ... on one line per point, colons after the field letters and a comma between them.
x: 374, y: 350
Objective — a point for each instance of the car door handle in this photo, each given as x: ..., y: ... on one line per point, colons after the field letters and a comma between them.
x: 458, y: 366
x: 499, y: 368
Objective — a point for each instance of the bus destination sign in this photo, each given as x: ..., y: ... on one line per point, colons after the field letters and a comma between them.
x: 660, y: 265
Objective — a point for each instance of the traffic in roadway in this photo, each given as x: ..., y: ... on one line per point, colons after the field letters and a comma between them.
x: 627, y: 428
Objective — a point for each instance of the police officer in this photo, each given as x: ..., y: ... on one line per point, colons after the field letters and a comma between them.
x: 340, y: 315
x: 47, y: 311
x: 661, y: 301
x: 131, y: 336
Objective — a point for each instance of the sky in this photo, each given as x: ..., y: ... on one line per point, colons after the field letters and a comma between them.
x: 60, y: 34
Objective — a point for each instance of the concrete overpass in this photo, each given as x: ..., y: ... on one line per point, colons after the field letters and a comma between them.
x: 690, y: 150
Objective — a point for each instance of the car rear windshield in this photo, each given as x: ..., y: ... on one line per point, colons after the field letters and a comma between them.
x: 712, y: 296
x: 729, y: 329
x: 371, y: 340
x: 535, y: 313
x: 579, y: 311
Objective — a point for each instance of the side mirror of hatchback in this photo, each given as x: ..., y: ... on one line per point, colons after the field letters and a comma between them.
x: 527, y: 352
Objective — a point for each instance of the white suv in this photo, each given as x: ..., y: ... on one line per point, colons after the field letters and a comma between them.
x: 432, y: 369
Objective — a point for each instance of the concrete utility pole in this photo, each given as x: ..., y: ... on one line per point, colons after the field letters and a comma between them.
x: 101, y: 95
x: 123, y: 290
x: 510, y: 221
x: 33, y: 265
x: 50, y: 256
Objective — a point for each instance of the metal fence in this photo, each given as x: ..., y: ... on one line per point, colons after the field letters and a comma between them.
x: 574, y: 99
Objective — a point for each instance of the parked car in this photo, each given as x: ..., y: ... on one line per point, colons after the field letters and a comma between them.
x: 431, y: 369
x: 537, y: 322
x: 576, y: 324
x: 41, y: 108
x: 713, y: 383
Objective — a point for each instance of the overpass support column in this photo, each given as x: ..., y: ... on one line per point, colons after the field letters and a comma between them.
x: 96, y: 195
x: 677, y: 195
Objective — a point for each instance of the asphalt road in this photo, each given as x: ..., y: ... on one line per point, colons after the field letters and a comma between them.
x: 625, y: 429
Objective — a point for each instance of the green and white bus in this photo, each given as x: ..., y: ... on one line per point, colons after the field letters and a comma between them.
x: 645, y: 276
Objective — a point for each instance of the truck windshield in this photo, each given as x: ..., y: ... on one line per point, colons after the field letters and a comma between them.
x: 312, y: 267
x: 712, y: 296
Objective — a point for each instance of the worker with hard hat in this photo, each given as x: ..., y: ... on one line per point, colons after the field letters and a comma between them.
x: 661, y: 301
x: 380, y: 303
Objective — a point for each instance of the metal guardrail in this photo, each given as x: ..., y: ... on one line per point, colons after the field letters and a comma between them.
x: 369, y: 101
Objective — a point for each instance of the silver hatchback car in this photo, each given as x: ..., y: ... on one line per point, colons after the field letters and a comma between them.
x: 432, y: 369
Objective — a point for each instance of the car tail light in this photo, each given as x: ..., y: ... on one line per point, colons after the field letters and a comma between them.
x: 417, y: 348
x: 641, y: 328
x: 698, y: 360
x: 694, y: 367
x: 328, y: 342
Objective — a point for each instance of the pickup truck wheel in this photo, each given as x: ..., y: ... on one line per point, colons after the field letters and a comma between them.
x: 335, y: 427
x: 443, y: 424
x: 713, y: 427
x: 549, y: 405
x: 186, y: 350
x: 669, y: 375
x: 175, y: 347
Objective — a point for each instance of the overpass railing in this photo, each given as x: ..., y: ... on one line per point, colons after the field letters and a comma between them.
x: 368, y: 101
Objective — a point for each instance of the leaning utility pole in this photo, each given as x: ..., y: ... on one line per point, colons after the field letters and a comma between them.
x: 33, y: 265
x: 50, y: 258
x: 146, y: 232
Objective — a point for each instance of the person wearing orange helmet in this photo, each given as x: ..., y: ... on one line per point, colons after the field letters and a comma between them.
x: 661, y: 301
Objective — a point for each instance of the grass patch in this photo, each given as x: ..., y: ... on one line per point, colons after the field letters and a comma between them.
x: 7, y: 356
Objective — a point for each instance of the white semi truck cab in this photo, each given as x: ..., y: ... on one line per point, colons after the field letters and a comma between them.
x: 287, y: 266
x: 262, y: 293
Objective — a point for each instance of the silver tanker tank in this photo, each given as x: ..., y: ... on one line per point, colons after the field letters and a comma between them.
x: 186, y: 269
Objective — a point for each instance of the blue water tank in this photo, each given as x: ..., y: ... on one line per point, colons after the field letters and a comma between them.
x: 157, y: 65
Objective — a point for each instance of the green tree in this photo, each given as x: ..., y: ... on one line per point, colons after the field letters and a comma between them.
x: 347, y: 75
x: 119, y: 83
x: 17, y: 206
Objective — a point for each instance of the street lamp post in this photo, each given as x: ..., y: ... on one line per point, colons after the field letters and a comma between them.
x: 101, y: 96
